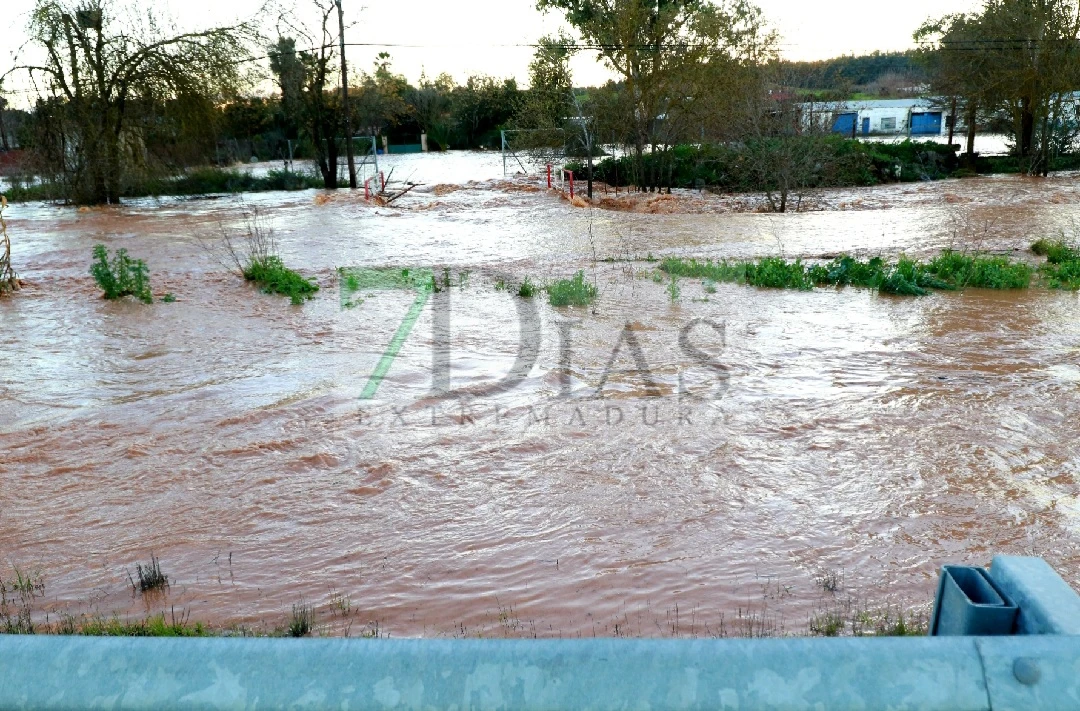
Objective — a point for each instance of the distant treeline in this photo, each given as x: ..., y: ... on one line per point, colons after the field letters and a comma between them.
x: 843, y: 74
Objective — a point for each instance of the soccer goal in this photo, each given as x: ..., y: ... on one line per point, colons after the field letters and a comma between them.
x: 530, y: 151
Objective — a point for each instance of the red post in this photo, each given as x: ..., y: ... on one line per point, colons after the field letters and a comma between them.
x: 382, y: 179
x: 367, y: 189
x: 549, y: 175
x: 571, y: 184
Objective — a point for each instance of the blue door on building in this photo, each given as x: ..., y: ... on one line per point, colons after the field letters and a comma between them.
x: 845, y: 124
x: 866, y: 127
x: 928, y: 123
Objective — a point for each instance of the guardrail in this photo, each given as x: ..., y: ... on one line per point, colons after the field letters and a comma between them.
x: 1022, y: 670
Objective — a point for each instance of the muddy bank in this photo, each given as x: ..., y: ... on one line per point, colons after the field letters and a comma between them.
x: 798, y: 433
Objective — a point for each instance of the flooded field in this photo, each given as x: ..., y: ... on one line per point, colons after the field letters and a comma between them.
x: 644, y: 466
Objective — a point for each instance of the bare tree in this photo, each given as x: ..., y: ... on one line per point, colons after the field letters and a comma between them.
x: 307, y: 79
x: 787, y: 151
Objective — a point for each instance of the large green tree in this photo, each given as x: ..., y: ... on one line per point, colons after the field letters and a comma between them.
x: 307, y: 81
x: 661, y: 49
x: 957, y: 55
x: 1022, y: 56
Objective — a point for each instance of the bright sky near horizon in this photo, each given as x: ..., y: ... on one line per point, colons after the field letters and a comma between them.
x: 478, y: 36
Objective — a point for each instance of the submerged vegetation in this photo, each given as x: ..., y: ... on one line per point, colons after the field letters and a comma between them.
x: 571, y: 292
x: 906, y: 277
x: 1062, y: 268
x: 527, y: 290
x: 122, y: 276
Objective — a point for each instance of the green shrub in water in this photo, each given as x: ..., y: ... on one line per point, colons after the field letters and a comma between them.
x: 959, y: 270
x: 571, y: 292
x: 275, y: 278
x: 777, y: 273
x: 1065, y: 275
x: 1056, y: 251
x: 122, y: 276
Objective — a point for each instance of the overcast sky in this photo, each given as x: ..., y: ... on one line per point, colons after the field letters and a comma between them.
x: 464, y: 37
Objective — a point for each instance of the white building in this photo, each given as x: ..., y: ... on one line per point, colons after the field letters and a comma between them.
x: 914, y: 117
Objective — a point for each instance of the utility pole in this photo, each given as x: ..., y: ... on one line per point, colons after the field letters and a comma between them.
x: 345, y: 98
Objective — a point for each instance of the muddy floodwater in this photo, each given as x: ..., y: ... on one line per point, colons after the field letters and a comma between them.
x: 643, y: 466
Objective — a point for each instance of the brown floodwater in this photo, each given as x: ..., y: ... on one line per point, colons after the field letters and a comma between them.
x: 788, y: 434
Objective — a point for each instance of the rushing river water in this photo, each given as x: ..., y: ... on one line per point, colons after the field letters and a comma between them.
x: 773, y: 435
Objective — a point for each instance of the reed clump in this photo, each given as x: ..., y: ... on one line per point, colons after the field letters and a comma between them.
x: 302, y: 620
x: 148, y: 577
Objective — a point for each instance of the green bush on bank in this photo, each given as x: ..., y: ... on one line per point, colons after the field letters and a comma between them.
x: 844, y: 162
x: 733, y: 167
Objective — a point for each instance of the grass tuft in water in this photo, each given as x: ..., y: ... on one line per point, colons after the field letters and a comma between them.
x: 673, y: 288
x: 571, y: 292
x: 527, y: 290
x: 302, y: 621
x: 155, y: 626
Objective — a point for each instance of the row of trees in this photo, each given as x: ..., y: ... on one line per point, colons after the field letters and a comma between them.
x: 1017, y: 57
x: 124, y: 98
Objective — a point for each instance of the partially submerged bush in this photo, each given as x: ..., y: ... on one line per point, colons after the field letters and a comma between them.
x: 777, y: 273
x: 275, y: 278
x: 1065, y: 275
x: 122, y: 276
x: 960, y: 270
x: 253, y: 255
x: 1056, y: 251
x: 571, y: 292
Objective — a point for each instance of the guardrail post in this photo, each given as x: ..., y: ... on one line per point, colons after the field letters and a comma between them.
x: 1047, y: 605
